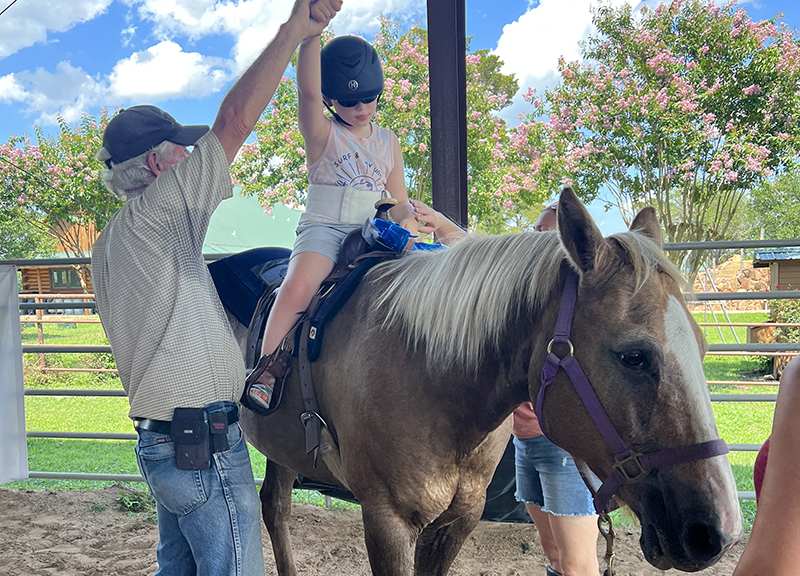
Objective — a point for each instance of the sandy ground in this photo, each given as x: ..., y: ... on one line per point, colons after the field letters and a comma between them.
x: 80, y: 533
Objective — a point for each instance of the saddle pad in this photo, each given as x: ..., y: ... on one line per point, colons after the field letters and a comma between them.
x: 238, y: 287
x: 329, y: 307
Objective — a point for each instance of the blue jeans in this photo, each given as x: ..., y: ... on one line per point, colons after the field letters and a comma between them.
x: 209, y: 521
x: 547, y: 477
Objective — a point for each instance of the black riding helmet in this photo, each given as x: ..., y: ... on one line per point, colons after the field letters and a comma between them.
x: 351, y: 70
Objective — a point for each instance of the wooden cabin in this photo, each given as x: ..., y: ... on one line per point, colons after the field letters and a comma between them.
x: 54, y: 280
x: 784, y: 267
x: 62, y: 279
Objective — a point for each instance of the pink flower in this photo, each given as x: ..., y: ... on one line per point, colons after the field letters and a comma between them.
x: 752, y: 90
x: 422, y: 147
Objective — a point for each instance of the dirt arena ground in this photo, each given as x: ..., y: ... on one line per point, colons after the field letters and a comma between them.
x: 81, y: 534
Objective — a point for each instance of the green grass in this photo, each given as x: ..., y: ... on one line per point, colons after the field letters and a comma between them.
x: 745, y: 423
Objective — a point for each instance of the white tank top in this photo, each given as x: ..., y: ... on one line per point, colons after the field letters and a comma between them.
x: 349, y: 160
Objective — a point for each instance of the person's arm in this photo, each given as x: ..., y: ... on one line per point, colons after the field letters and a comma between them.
x: 403, y: 212
x: 314, y: 126
x: 774, y: 546
x: 249, y: 97
x: 433, y: 222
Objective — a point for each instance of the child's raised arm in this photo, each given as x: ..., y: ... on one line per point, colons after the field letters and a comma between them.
x: 314, y: 126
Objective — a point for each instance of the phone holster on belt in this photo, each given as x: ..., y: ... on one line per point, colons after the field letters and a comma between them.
x: 190, y: 437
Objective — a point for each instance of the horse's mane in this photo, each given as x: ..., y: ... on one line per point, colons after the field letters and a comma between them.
x: 458, y: 301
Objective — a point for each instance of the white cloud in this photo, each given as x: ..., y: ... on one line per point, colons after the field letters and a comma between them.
x: 27, y: 23
x: 11, y: 89
x: 127, y: 35
x: 162, y: 72
x: 67, y: 91
x: 165, y: 71
x: 362, y: 15
x: 254, y: 22
x: 530, y: 46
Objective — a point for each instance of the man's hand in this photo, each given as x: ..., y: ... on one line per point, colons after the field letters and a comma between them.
x: 324, y: 10
x: 312, y: 16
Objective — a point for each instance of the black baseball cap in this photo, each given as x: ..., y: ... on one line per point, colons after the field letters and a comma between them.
x: 135, y: 130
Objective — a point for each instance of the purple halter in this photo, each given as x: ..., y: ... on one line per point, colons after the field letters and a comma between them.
x: 630, y: 466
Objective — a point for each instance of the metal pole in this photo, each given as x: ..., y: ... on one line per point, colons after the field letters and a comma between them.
x: 447, y: 64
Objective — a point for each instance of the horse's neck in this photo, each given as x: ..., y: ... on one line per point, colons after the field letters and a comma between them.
x: 498, y: 387
x: 522, y: 352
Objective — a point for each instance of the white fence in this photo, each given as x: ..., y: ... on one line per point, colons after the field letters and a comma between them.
x: 13, y: 455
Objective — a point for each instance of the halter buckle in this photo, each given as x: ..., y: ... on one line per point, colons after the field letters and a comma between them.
x: 640, y: 472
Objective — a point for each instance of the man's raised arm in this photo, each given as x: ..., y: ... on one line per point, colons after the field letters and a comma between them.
x: 252, y: 93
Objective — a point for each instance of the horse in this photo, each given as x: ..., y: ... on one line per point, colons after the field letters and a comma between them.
x: 422, y: 367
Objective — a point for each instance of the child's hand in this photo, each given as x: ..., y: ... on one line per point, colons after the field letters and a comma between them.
x: 428, y: 219
x: 410, y: 224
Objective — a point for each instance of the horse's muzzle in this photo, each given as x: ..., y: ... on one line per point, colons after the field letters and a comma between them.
x: 682, y: 533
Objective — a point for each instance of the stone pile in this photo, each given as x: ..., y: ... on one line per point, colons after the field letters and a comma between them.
x: 734, y: 276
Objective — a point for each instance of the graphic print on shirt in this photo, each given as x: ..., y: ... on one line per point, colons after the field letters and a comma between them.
x: 352, y: 169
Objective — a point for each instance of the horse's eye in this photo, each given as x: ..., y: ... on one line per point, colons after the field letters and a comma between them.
x: 634, y: 359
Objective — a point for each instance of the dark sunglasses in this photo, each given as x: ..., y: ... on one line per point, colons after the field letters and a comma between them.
x: 352, y: 103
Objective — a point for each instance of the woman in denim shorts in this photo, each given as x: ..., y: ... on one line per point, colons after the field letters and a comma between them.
x: 550, y: 486
x: 560, y: 505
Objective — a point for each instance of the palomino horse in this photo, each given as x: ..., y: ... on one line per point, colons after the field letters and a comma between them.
x: 423, y: 366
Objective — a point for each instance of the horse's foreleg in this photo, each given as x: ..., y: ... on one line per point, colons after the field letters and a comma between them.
x: 276, y: 506
x: 390, y: 542
x: 437, y: 547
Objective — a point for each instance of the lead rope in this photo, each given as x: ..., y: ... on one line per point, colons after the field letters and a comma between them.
x: 608, y: 535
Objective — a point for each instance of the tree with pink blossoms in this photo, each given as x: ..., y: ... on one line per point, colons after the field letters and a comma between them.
x: 685, y: 108
x: 273, y: 166
x: 51, y: 190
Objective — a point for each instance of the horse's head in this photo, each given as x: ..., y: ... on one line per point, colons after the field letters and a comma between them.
x: 642, y: 353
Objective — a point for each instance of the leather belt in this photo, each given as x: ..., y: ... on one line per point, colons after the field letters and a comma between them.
x: 165, y: 426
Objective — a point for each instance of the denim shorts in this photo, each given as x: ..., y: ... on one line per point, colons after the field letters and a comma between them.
x: 547, y: 477
x: 209, y: 521
x: 322, y: 238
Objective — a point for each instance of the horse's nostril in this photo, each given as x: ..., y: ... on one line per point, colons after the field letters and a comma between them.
x: 704, y: 540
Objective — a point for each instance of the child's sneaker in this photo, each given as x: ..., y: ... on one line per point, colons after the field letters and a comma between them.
x: 261, y: 394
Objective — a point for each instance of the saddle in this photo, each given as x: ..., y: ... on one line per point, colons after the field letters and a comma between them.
x: 331, y: 297
x: 357, y: 255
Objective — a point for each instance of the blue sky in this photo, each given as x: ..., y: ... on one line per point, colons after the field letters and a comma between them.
x: 73, y: 56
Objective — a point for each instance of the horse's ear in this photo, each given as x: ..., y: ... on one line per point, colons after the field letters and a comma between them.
x: 579, y: 234
x: 646, y: 222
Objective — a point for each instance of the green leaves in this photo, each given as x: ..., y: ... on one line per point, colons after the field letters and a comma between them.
x: 50, y: 191
x: 499, y: 181
x: 685, y: 108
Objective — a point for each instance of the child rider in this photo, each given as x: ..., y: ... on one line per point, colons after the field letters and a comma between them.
x: 351, y: 162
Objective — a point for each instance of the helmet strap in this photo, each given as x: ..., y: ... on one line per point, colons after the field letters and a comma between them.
x: 335, y: 115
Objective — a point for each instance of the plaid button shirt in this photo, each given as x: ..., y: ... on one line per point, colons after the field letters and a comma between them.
x: 158, y: 305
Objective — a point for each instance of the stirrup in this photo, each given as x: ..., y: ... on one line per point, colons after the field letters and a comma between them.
x: 261, y: 394
x: 277, y: 366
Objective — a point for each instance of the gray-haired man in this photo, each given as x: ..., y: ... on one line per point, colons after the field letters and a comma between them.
x: 176, y: 355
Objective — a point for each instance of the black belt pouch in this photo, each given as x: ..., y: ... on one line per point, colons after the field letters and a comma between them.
x: 190, y: 437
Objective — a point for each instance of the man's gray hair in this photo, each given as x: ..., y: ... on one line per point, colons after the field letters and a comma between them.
x: 132, y: 177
